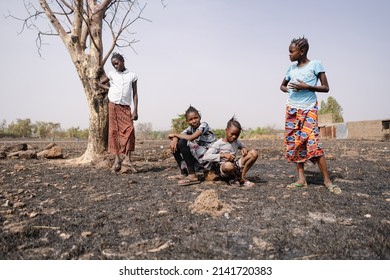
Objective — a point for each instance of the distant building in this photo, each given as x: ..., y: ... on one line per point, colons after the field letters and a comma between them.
x: 367, y: 130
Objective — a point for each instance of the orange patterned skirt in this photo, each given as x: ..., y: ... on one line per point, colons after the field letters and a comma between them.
x: 301, y: 135
x: 121, y: 135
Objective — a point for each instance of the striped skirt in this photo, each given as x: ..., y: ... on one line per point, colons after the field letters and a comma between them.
x: 121, y: 135
x: 301, y: 135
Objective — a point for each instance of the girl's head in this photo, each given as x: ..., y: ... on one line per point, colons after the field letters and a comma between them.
x: 193, y: 117
x: 298, y: 48
x: 118, y: 62
x: 233, y: 130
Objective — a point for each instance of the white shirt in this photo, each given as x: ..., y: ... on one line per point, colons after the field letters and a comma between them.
x: 121, y: 89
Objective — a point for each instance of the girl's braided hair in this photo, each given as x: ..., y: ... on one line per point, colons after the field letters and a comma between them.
x: 191, y: 110
x: 117, y: 56
x: 234, y: 122
x: 301, y: 43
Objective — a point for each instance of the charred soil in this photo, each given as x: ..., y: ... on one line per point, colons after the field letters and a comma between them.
x: 50, y: 209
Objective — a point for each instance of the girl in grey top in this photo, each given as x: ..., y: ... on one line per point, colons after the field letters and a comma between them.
x: 225, y: 152
x: 189, y: 147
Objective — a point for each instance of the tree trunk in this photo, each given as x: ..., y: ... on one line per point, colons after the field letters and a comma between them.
x: 98, y: 112
x: 98, y: 128
x: 85, y: 46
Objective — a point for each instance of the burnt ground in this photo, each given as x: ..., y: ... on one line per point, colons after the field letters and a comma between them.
x: 50, y: 210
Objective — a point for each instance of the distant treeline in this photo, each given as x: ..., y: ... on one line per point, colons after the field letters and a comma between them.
x: 24, y: 128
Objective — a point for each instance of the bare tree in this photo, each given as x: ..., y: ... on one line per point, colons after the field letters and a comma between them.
x: 80, y: 24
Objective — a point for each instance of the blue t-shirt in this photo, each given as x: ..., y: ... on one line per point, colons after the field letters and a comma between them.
x: 303, y: 99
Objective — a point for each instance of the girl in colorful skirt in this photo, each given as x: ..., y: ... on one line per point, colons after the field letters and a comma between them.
x: 189, y: 146
x: 301, y: 126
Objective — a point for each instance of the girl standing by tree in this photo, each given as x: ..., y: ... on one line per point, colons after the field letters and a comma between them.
x: 122, y: 89
x: 301, y: 126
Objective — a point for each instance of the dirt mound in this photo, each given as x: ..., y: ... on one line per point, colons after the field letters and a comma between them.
x: 208, y: 203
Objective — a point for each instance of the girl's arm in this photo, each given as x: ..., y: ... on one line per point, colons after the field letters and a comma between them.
x: 135, y: 101
x: 212, y: 155
x: 104, y: 82
x: 324, y: 87
x: 283, y: 86
x: 188, y: 137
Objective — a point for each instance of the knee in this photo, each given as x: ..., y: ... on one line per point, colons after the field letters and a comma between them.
x: 227, y: 167
x: 182, y: 143
x: 253, y: 154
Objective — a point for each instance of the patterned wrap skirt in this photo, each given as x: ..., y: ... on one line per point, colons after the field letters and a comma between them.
x: 121, y: 135
x: 301, y: 135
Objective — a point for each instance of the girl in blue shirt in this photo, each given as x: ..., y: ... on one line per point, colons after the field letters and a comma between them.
x: 301, y: 126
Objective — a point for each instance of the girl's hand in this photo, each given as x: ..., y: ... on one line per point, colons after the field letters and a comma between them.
x: 171, y: 136
x: 244, y: 151
x: 299, y: 85
x: 227, y: 156
x: 173, y: 145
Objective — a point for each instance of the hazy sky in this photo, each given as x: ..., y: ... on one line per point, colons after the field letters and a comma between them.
x: 224, y: 57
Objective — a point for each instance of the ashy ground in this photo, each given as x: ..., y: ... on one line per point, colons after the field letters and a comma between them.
x: 52, y: 210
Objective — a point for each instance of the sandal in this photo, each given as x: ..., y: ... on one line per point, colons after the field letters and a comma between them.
x: 234, y: 182
x: 187, y: 182
x: 297, y: 186
x: 334, y: 189
x: 247, y: 183
x: 129, y: 165
x: 117, y: 166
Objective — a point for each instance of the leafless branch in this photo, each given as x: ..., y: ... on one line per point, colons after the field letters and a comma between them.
x: 78, y: 18
x: 118, y: 28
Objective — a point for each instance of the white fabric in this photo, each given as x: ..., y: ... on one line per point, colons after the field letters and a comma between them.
x: 121, y: 87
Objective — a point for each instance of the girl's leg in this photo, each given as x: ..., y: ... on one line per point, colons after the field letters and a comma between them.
x: 327, y: 182
x: 301, y: 173
x: 247, y: 163
x: 187, y: 157
x: 117, y: 163
x: 324, y: 171
x: 127, y: 162
x: 301, y: 182
x: 179, y: 159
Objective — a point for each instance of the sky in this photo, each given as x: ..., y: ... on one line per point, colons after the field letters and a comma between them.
x: 223, y: 57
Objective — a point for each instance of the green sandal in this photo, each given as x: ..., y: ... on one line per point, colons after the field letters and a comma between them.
x: 334, y: 189
x: 297, y: 186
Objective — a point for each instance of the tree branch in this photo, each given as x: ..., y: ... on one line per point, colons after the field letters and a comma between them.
x: 117, y: 29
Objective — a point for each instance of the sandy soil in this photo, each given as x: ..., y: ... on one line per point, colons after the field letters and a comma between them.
x: 51, y: 210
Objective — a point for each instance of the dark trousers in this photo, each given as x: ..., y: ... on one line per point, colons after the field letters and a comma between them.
x: 183, y: 153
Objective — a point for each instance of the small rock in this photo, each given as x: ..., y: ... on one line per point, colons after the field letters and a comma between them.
x: 6, y: 203
x: 86, y: 234
x: 65, y: 236
x: 32, y: 214
x: 19, y: 167
x: 19, y: 204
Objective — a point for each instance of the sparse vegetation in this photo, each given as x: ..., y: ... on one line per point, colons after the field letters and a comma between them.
x: 332, y: 106
x: 179, y: 124
x: 24, y: 128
